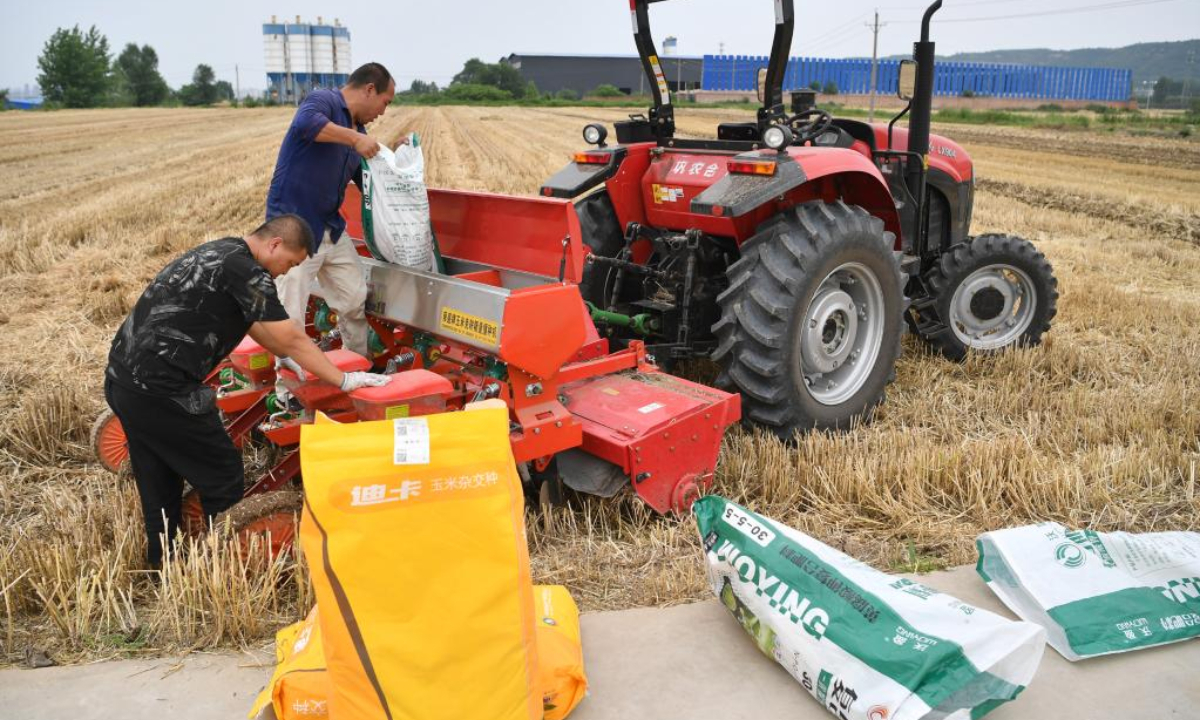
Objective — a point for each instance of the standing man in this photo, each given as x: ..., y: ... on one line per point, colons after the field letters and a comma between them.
x: 319, y: 155
x: 190, y: 317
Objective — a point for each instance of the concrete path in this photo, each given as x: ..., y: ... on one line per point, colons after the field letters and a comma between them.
x: 691, y: 662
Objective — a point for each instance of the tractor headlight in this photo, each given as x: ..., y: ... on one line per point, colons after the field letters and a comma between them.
x: 777, y: 137
x: 594, y: 134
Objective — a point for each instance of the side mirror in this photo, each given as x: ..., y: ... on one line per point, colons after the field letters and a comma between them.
x: 906, y: 85
x: 760, y: 84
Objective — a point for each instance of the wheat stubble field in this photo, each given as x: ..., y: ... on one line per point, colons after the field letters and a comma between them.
x: 1099, y: 427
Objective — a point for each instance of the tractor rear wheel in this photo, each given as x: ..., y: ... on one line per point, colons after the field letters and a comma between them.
x: 987, y: 294
x: 811, y: 322
x: 602, y: 235
x: 109, y: 443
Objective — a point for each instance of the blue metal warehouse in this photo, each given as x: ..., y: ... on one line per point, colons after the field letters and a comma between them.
x: 738, y: 72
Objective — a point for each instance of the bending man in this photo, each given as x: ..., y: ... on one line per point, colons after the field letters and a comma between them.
x: 189, y: 318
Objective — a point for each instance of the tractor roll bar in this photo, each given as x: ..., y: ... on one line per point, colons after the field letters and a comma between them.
x: 662, y: 115
x: 781, y: 46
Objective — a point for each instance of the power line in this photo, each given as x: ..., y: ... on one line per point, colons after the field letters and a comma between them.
x: 957, y: 4
x: 822, y: 37
x: 833, y: 39
x: 1061, y: 11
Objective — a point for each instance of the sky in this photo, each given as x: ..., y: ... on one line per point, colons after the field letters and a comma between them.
x: 431, y: 40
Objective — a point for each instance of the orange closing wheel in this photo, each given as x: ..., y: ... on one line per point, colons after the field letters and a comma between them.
x: 109, y: 443
x: 194, y: 522
x: 270, y: 516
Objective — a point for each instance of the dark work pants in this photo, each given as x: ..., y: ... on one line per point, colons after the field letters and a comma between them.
x: 167, y: 445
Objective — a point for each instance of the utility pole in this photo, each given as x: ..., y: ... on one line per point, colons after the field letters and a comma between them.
x: 237, y: 84
x: 874, y: 28
x: 1191, y: 60
x: 678, y: 70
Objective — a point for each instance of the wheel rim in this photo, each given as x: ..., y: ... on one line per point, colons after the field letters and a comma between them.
x: 992, y: 307
x: 109, y: 442
x: 841, y: 333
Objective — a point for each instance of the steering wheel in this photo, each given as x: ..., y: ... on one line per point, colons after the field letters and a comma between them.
x: 809, y: 124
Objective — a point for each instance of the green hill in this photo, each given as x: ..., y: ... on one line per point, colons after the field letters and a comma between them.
x: 1149, y: 61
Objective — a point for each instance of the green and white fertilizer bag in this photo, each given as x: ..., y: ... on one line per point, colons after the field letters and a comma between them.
x: 865, y: 644
x: 395, y: 206
x: 1097, y: 593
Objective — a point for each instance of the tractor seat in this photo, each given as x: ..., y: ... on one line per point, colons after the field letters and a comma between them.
x: 738, y: 131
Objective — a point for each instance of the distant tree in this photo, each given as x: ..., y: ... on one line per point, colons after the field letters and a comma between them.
x: 474, y: 72
x: 202, y: 90
x: 3, y: 100
x: 420, y: 87
x: 498, y: 75
x: 474, y: 92
x: 119, y: 93
x: 137, y: 70
x: 830, y: 88
x: 75, y: 68
x: 606, y: 90
x: 225, y: 91
x: 1166, y: 88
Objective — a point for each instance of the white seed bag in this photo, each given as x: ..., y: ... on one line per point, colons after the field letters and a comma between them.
x: 395, y: 206
x: 1097, y: 593
x: 865, y: 644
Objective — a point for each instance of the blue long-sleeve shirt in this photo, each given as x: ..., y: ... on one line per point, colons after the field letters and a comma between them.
x: 310, y: 177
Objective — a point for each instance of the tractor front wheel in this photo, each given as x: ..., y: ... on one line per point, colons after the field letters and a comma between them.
x: 987, y: 294
x: 811, y: 322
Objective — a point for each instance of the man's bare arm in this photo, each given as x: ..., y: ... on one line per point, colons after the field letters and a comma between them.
x: 363, y: 144
x: 285, y: 339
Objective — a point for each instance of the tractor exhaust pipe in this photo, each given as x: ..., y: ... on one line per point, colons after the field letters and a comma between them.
x: 918, y: 126
x: 922, y: 103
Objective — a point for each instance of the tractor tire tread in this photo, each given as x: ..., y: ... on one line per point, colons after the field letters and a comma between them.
x: 757, y: 308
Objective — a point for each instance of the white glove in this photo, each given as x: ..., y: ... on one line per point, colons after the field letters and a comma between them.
x: 290, y: 364
x: 356, y: 380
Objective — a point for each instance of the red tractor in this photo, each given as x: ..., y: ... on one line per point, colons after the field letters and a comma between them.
x: 791, y: 249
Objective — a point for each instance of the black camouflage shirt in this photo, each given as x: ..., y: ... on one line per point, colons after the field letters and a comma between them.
x: 190, y: 317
